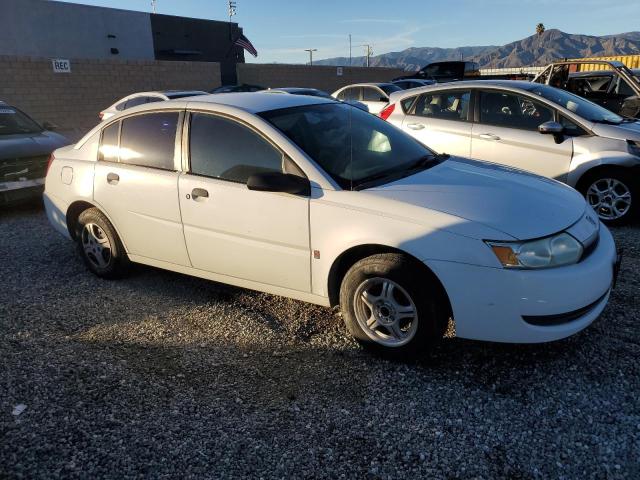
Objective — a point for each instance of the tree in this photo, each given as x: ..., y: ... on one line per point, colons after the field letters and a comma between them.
x: 540, y: 29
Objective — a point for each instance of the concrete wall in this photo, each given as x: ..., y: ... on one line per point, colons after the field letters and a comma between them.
x: 66, y: 30
x: 73, y: 100
x: 322, y: 77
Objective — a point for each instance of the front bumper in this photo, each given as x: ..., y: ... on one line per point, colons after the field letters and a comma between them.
x: 496, y: 304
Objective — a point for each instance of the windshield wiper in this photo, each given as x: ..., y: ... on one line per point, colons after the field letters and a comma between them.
x: 422, y: 163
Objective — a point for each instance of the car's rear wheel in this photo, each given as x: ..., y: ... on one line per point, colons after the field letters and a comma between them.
x: 612, y: 195
x: 99, y: 245
x: 392, y: 306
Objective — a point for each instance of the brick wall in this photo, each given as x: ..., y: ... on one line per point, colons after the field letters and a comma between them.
x: 317, y: 76
x: 73, y: 100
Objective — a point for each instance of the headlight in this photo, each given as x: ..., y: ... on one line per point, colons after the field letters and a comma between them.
x: 554, y: 251
x: 633, y: 147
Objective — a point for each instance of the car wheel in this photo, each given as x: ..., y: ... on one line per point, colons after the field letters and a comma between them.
x: 100, y: 246
x: 612, y: 195
x: 391, y: 306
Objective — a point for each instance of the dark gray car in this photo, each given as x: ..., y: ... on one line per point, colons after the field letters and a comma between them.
x: 25, y: 147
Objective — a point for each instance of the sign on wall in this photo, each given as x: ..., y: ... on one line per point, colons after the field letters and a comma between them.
x: 61, y: 65
x: 339, y: 71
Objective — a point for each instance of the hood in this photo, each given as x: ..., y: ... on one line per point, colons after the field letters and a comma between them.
x: 624, y: 131
x: 521, y: 205
x: 30, y: 144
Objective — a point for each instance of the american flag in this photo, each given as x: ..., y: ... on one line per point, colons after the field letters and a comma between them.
x: 244, y: 42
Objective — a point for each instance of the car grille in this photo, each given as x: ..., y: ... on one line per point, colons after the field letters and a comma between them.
x: 25, y: 168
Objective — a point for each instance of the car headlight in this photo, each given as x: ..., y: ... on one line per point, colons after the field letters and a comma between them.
x: 633, y: 147
x: 554, y: 251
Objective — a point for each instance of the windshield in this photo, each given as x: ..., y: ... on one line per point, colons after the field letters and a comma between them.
x: 355, y: 148
x: 13, y: 121
x: 390, y: 88
x: 578, y: 105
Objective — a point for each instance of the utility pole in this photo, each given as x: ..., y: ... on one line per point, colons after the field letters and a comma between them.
x: 311, y: 50
x: 349, y: 49
x: 233, y: 7
x: 368, y: 51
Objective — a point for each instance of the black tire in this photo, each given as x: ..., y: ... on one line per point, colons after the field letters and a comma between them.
x: 621, y: 176
x: 422, y: 288
x: 111, y: 265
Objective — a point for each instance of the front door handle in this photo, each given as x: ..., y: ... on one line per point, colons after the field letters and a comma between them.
x: 113, y: 178
x: 199, y: 193
x: 415, y: 126
x: 489, y: 136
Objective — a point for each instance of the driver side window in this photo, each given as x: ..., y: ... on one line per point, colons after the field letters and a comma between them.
x: 225, y: 149
x: 513, y: 111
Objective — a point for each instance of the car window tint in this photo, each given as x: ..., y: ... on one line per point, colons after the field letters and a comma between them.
x: 370, y: 94
x: 134, y: 102
x: 149, y: 140
x: 225, y: 149
x: 109, y: 145
x: 447, y: 105
x: 352, y: 93
x: 511, y: 110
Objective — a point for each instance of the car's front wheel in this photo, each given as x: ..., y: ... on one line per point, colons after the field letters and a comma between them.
x: 613, y: 196
x: 392, y: 306
x: 99, y: 245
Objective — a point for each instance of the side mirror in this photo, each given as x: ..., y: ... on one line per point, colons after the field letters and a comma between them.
x: 552, y: 128
x: 279, y: 182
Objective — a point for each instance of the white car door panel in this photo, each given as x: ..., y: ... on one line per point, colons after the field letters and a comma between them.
x: 231, y: 230
x: 137, y: 186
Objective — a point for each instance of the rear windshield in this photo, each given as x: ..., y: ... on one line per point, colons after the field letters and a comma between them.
x: 13, y: 121
x: 173, y: 96
x: 390, y: 88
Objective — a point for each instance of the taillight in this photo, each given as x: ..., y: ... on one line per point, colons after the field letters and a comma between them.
x: 51, y: 159
x: 387, y: 111
x: 101, y: 115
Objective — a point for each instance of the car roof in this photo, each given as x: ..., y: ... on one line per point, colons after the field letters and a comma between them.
x: 507, y: 84
x: 367, y: 84
x: 255, y: 102
x: 291, y: 89
x: 182, y: 92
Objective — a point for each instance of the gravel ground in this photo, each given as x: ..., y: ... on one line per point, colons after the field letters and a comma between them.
x: 164, y: 376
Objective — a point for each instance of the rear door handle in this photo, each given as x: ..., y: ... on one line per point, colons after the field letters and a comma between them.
x: 199, y: 193
x: 489, y: 136
x: 113, y: 178
x: 415, y: 126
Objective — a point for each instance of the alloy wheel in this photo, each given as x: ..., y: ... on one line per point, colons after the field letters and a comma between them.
x: 610, y: 198
x: 96, y: 245
x: 385, y: 312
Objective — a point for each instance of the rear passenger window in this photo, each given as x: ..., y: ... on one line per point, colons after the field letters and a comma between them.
x: 513, y: 111
x: 447, y: 105
x: 352, y: 93
x: 372, y: 95
x: 108, y: 151
x: 149, y: 140
x: 225, y: 149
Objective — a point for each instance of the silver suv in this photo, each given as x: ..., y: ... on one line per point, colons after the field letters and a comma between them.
x: 533, y: 127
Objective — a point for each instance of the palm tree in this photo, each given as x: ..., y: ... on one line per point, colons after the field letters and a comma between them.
x: 540, y: 29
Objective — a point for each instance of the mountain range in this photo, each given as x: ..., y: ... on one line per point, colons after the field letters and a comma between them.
x: 534, y: 50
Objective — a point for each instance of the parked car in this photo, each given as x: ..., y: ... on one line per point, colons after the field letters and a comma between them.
x: 25, y: 148
x: 373, y: 95
x: 237, y: 88
x: 533, y: 127
x: 141, y: 98
x: 311, y: 199
x: 413, y: 83
x: 615, y: 87
x: 449, y: 71
x: 314, y: 92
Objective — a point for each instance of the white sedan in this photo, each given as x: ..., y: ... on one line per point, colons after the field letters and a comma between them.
x: 319, y: 201
x: 375, y: 96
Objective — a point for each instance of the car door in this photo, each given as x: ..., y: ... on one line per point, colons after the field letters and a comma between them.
x: 136, y: 184
x: 231, y: 230
x: 506, y: 132
x: 374, y: 98
x: 440, y: 120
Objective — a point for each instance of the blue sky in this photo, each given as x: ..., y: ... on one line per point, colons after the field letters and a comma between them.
x: 282, y: 29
